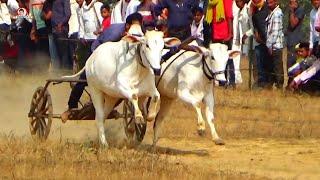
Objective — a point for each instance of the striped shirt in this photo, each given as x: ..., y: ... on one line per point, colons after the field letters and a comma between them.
x: 275, y: 29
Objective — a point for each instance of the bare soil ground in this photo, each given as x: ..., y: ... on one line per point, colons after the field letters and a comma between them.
x: 269, y: 135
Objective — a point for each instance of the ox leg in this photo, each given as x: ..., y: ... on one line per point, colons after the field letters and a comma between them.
x: 137, y: 112
x: 165, y: 107
x: 209, y: 107
x: 186, y: 96
x: 98, y: 102
x: 109, y: 104
x: 154, y: 106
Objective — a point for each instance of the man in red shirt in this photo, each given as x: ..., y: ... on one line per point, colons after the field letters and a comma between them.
x: 219, y: 15
x: 222, y: 26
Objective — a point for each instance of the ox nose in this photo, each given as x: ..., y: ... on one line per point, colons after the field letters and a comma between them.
x: 157, y: 72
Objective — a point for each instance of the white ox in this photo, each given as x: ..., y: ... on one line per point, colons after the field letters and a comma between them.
x: 124, y: 69
x: 186, y: 79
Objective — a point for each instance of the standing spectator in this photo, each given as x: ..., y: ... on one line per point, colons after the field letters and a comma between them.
x: 39, y: 34
x: 243, y: 31
x: 294, y: 32
x: 46, y: 16
x: 73, y: 32
x: 219, y: 14
x: 146, y: 9
x: 123, y: 9
x: 197, y: 25
x: 275, y: 42
x: 60, y: 28
x: 8, y: 8
x: 90, y: 21
x: 180, y: 16
x: 260, y: 12
x: 314, y: 35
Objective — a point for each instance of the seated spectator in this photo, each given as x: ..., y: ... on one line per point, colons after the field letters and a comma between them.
x: 302, y: 62
x: 197, y: 25
x: 308, y: 80
x: 146, y: 9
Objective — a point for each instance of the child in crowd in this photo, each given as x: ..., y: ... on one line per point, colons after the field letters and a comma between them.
x: 105, y: 13
x: 22, y: 15
x: 197, y: 25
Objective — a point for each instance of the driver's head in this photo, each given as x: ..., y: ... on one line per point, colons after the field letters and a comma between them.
x: 134, y: 18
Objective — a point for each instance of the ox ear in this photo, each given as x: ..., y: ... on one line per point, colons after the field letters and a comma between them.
x: 171, y: 42
x: 133, y: 39
x: 233, y: 53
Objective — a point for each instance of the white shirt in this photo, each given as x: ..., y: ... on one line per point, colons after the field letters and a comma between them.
x: 197, y: 31
x: 90, y: 20
x: 7, y: 10
x: 243, y: 26
x: 73, y: 21
x: 314, y: 35
x: 117, y: 16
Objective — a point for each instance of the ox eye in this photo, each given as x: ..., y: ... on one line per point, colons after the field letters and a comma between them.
x: 147, y: 45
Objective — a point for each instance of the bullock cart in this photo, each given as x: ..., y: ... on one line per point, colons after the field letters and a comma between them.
x: 41, y: 113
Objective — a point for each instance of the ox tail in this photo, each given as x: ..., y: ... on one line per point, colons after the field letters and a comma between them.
x: 75, y: 75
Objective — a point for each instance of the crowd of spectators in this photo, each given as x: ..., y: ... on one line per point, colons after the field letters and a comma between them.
x: 61, y: 34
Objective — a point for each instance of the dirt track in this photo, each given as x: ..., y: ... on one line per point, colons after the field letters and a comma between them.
x: 267, y: 149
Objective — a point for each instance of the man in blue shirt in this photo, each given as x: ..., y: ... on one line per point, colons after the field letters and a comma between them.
x: 60, y: 17
x: 180, y: 16
x: 114, y: 33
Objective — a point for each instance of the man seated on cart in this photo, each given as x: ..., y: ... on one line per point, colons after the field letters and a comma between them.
x: 112, y: 34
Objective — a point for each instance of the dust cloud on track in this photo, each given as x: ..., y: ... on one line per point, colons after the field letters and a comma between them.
x: 15, y: 97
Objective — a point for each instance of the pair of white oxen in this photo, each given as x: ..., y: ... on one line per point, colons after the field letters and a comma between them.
x: 126, y: 69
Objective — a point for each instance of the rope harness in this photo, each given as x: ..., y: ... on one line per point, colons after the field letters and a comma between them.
x: 205, y: 68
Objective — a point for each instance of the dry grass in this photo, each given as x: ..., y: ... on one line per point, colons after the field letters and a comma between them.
x: 25, y: 159
x: 287, y: 122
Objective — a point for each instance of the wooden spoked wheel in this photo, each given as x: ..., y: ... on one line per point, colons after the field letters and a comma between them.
x: 40, y: 115
x: 134, y: 132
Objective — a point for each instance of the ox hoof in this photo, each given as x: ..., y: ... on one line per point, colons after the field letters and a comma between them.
x: 219, y: 142
x: 139, y: 120
x: 150, y: 118
x: 104, y: 146
x: 201, y: 132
